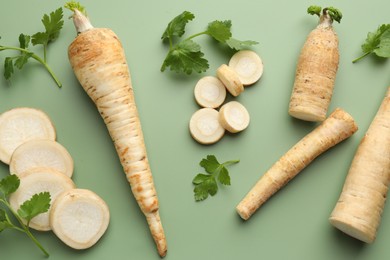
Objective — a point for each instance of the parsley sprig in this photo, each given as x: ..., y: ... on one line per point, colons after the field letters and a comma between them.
x: 53, y: 24
x: 206, y: 184
x: 377, y: 42
x: 333, y: 12
x: 39, y: 203
x: 186, y: 55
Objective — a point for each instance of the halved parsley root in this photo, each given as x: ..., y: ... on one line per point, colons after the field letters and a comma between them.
x: 336, y: 128
x: 316, y: 69
x: 79, y: 218
x: 20, y: 125
x: 41, y: 153
x: 210, y: 92
x: 205, y: 127
x: 358, y: 210
x: 230, y: 79
x: 234, y: 117
x: 99, y: 63
x: 248, y: 66
x: 39, y: 180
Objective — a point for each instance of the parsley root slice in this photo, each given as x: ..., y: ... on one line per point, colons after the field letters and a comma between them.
x: 19, y: 125
x: 99, y: 63
x: 316, y: 72
x: 248, y: 65
x: 336, y: 128
x: 39, y: 180
x: 210, y: 92
x: 41, y: 153
x: 79, y: 218
x: 230, y: 79
x: 205, y: 127
x: 234, y: 117
x: 360, y: 205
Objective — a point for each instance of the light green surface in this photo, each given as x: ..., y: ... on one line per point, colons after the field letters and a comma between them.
x: 294, y: 223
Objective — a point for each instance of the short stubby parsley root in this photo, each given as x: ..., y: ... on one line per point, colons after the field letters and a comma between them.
x: 358, y: 210
x: 248, y: 65
x: 99, y: 63
x: 19, y: 125
x: 210, y: 92
x: 316, y: 71
x: 230, y: 79
x: 234, y: 117
x: 205, y: 127
x: 336, y: 128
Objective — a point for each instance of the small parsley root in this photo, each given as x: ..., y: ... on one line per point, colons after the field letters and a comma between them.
x: 234, y: 117
x: 359, y: 208
x: 209, y: 92
x: 248, y: 66
x: 19, y: 125
x: 205, y: 127
x: 316, y: 69
x: 230, y: 79
x: 99, y: 63
x: 336, y: 128
x: 41, y: 153
x: 79, y: 218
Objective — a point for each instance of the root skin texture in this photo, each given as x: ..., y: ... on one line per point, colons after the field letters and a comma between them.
x: 336, y: 128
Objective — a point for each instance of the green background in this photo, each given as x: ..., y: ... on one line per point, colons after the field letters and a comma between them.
x: 293, y: 224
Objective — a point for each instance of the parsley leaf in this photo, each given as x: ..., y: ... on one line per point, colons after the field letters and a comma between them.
x: 377, y: 42
x: 186, y: 55
x: 9, y: 184
x: 206, y: 184
x: 39, y: 203
x: 73, y: 5
x: 4, y: 221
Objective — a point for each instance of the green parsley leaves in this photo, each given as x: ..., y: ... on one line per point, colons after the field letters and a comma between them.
x: 377, y: 42
x: 39, y: 203
x: 334, y: 13
x: 53, y: 24
x: 186, y: 55
x: 206, y: 184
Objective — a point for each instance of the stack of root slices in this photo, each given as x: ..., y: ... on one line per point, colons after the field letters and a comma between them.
x: 78, y: 217
x: 208, y: 125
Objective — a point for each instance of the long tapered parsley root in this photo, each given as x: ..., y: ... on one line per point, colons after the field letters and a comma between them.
x: 316, y: 69
x: 336, y: 128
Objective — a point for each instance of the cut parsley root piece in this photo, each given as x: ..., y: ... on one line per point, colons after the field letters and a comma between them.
x: 20, y: 125
x: 234, y: 117
x: 41, y: 153
x: 210, y: 92
x: 230, y: 79
x: 79, y: 218
x: 205, y: 127
x: 39, y: 180
x: 248, y: 65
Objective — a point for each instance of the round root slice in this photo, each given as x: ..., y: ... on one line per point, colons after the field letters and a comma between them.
x: 234, y: 117
x: 41, y: 153
x: 36, y: 181
x: 210, y: 92
x: 20, y: 125
x: 230, y: 79
x: 205, y: 127
x: 79, y: 218
x: 248, y: 65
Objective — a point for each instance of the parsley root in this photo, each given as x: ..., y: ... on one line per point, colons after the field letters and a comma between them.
x: 336, y: 128
x: 358, y: 210
x: 209, y: 92
x: 99, y: 63
x: 205, y: 127
x: 248, y: 65
x: 230, y: 79
x: 234, y: 117
x: 316, y: 69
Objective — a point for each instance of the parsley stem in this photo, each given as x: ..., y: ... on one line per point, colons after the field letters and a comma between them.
x: 361, y: 57
x: 35, y: 57
x: 196, y: 35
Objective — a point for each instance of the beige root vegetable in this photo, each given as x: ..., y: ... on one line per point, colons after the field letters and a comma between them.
x: 248, y: 66
x: 41, y: 153
x: 359, y: 208
x: 336, y: 128
x: 99, y: 63
x: 39, y: 180
x: 230, y: 79
x: 316, y: 72
x: 234, y: 117
x: 210, y: 92
x: 19, y: 125
x: 79, y: 217
x: 205, y: 127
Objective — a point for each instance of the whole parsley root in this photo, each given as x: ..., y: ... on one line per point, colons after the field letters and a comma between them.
x: 358, y: 210
x: 336, y: 128
x: 99, y: 63
x: 316, y: 69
